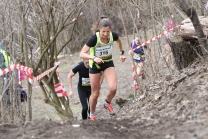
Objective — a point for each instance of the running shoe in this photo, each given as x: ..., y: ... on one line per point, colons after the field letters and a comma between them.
x: 136, y: 86
x: 143, y: 76
x: 165, y: 65
x: 110, y: 109
x: 92, y: 118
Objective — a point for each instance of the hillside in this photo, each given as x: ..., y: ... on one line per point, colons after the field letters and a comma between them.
x: 173, y: 106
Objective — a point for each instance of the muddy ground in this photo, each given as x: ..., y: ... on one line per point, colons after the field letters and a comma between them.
x: 173, y: 105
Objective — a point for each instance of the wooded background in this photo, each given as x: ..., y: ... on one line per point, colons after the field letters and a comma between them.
x: 50, y: 25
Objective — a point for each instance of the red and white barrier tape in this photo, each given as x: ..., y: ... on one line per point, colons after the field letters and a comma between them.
x: 37, y: 50
x: 43, y: 74
x: 4, y: 71
x: 46, y: 72
x: 19, y: 67
x: 28, y: 71
x: 155, y: 38
x: 78, y: 17
x: 60, y: 90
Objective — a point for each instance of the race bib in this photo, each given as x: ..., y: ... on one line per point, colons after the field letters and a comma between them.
x: 85, y: 81
x: 136, y: 56
x: 103, y: 51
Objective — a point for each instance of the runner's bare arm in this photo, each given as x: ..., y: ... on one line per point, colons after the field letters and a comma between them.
x: 119, y: 44
x: 69, y: 79
x: 84, y: 53
x: 122, y: 56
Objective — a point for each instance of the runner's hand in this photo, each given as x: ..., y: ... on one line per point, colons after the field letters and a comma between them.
x: 71, y: 94
x: 98, y: 60
x: 122, y: 58
x: 130, y: 52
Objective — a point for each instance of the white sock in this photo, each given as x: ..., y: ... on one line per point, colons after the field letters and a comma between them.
x: 92, y: 114
x: 135, y: 82
x: 106, y: 103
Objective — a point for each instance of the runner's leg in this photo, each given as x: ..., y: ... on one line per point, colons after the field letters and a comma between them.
x: 111, y: 78
x: 83, y: 99
x: 95, y: 88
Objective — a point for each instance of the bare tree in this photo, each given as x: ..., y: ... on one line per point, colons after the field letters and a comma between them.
x: 23, y: 11
x: 52, y: 19
x: 42, y: 25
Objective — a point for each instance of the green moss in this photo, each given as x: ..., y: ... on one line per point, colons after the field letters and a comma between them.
x: 130, y: 96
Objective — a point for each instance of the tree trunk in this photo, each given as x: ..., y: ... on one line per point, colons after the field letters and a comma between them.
x: 185, y: 52
x: 25, y: 46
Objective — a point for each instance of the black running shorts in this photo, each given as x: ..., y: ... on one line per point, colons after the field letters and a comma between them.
x: 103, y: 66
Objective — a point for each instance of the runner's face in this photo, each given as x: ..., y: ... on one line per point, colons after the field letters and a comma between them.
x: 86, y: 63
x: 104, y: 32
x: 137, y: 40
x: 8, y: 46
